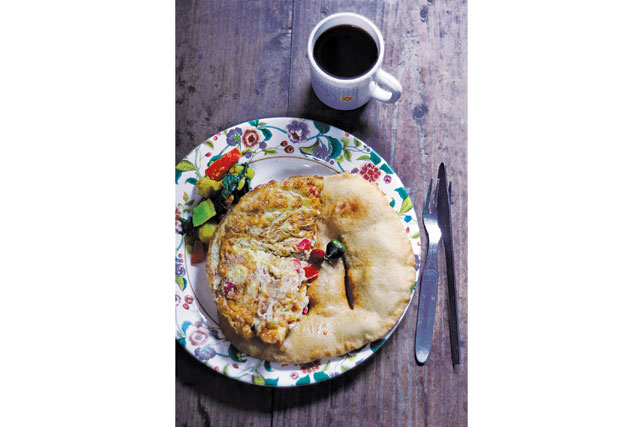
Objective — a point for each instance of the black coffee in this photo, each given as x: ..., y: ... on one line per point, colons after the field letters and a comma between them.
x: 345, y: 51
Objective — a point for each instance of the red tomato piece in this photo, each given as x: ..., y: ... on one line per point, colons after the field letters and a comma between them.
x: 198, y: 252
x: 310, y: 272
x: 304, y: 245
x: 223, y: 164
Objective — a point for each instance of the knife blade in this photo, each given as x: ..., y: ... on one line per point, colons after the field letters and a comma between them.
x: 444, y: 221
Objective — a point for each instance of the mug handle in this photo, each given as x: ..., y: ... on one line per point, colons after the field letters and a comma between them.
x: 392, y: 87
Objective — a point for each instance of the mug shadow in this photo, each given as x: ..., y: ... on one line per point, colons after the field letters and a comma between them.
x: 351, y: 120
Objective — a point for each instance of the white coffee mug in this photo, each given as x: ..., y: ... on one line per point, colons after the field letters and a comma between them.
x: 351, y: 93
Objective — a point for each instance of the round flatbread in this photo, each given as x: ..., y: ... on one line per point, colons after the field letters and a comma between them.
x: 380, y: 268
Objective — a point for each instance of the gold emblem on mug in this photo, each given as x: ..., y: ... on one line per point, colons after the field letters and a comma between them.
x: 347, y: 98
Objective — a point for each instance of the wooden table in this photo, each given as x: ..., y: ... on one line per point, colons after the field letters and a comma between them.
x: 242, y: 60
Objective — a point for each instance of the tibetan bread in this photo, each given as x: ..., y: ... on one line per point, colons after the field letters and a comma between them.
x: 257, y: 260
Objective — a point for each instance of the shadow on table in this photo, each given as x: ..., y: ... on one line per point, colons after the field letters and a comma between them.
x: 192, y: 374
x: 351, y: 121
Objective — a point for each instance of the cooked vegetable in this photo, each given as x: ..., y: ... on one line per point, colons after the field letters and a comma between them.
x: 207, y: 187
x: 335, y: 249
x: 206, y: 231
x: 304, y: 245
x: 316, y: 256
x: 203, y: 212
x: 198, y: 254
x: 310, y: 272
x: 223, y: 164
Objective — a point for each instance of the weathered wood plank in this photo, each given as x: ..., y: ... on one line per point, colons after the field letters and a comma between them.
x: 232, y: 65
x: 426, y: 50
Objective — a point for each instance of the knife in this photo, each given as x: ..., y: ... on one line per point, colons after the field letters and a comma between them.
x: 444, y: 221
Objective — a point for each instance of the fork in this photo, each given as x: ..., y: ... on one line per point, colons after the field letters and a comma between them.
x: 429, y: 281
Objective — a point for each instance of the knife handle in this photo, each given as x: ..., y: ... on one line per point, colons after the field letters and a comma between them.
x: 453, y: 309
x: 427, y: 305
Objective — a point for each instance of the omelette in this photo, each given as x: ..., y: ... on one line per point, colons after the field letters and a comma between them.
x: 271, y: 306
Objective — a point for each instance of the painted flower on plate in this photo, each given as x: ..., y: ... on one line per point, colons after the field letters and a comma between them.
x: 178, y: 223
x: 297, y: 131
x: 180, y: 270
x: 205, y: 353
x: 250, y: 138
x: 198, y: 336
x: 322, y: 152
x: 233, y: 136
x: 370, y: 172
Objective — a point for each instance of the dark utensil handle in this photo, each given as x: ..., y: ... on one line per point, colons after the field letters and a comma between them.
x: 453, y: 307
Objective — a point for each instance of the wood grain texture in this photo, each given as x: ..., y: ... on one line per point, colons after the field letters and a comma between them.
x: 266, y: 68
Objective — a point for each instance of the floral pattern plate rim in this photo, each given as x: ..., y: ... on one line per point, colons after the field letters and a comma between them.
x: 275, y: 147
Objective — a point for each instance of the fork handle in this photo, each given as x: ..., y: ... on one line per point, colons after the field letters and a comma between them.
x: 427, y: 305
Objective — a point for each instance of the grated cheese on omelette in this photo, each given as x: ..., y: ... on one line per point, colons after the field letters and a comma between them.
x: 259, y: 282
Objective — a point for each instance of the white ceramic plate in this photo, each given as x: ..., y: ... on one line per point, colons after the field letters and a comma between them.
x: 276, y: 148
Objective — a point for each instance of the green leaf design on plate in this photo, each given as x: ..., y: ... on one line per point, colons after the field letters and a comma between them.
x: 267, y: 366
x: 182, y: 282
x: 209, y: 143
x: 182, y: 341
x: 178, y: 175
x: 320, y: 376
x: 186, y: 165
x: 254, y: 123
x: 377, y: 343
x: 336, y: 147
x: 257, y: 379
x: 406, y: 205
x: 347, y: 155
x: 402, y: 192
x: 344, y: 368
x: 322, y: 127
x: 304, y: 380
x: 270, y: 151
x: 225, y: 370
x: 271, y: 381
x: 345, y: 141
x: 267, y: 133
x: 375, y: 159
x: 392, y: 203
x: 387, y: 169
x: 357, y: 142
x: 365, y: 157
x: 261, y: 123
x: 235, y: 354
x: 310, y: 149
x: 190, y: 202
x: 192, y: 181
x: 415, y: 235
